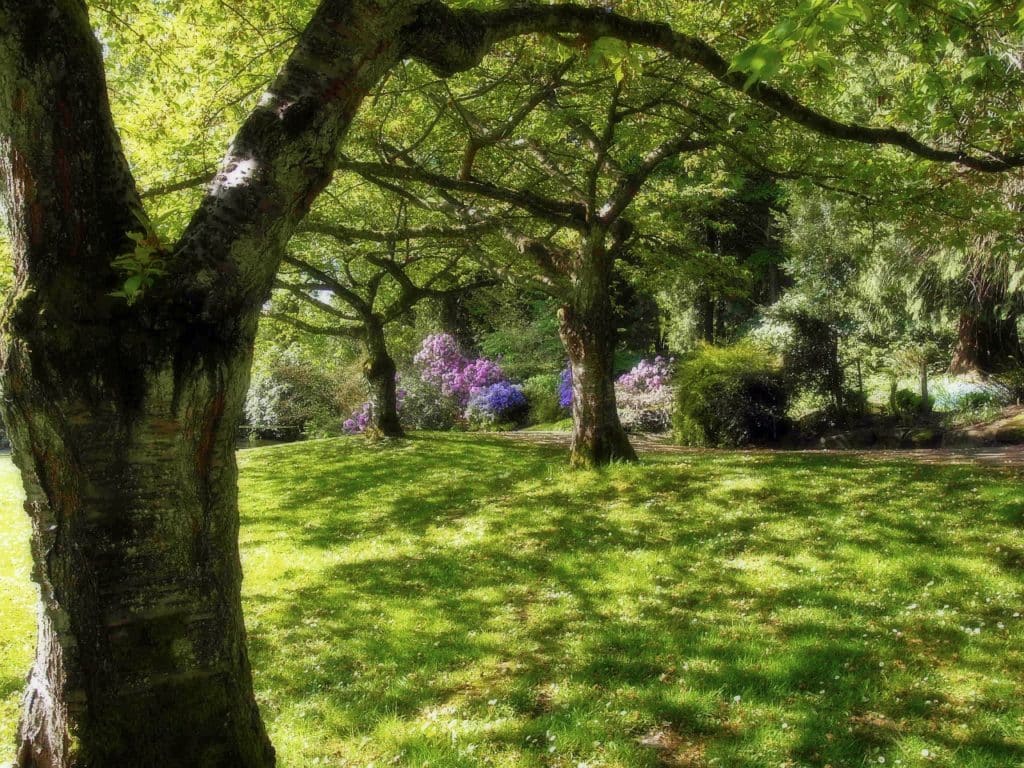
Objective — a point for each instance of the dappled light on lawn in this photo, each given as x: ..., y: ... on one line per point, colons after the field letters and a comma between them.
x: 462, y: 600
x: 458, y: 601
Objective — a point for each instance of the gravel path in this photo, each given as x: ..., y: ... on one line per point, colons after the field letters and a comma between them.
x: 998, y: 455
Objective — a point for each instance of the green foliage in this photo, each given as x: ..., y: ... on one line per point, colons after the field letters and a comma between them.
x: 977, y: 401
x: 908, y: 404
x: 542, y: 392
x: 140, y: 267
x: 1013, y: 380
x: 425, y: 407
x: 289, y: 391
x: 811, y: 363
x: 730, y: 396
x: 524, y: 338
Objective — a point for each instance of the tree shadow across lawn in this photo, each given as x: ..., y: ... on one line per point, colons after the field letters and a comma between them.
x: 466, y: 602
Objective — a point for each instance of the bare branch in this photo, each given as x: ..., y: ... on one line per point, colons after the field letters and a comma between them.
x: 346, y: 331
x: 571, y: 215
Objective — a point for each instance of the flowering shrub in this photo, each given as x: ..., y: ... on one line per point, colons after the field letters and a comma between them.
x: 362, y: 416
x: 288, y: 395
x: 426, y: 407
x: 645, y: 411
x: 644, y: 397
x: 359, y: 420
x: 647, y: 375
x: 439, y: 361
x: 565, y: 388
x: 499, y: 403
x: 475, y: 375
x: 443, y: 365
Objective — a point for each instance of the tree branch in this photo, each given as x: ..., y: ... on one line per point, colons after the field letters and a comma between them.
x: 629, y: 186
x: 345, y: 293
x: 347, y: 331
x: 298, y: 292
x: 468, y: 35
x: 571, y: 215
x: 349, y: 234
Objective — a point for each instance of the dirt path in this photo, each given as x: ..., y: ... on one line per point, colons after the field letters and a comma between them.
x: 998, y: 455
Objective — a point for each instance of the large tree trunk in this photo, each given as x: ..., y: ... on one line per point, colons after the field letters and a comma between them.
x: 380, y: 371
x: 985, y: 344
x: 587, y: 328
x: 141, y: 654
x: 122, y: 424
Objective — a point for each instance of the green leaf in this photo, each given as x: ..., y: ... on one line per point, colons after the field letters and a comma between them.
x: 133, y: 284
x: 759, y: 61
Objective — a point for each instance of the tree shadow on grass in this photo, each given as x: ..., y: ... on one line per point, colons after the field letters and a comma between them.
x: 603, y: 605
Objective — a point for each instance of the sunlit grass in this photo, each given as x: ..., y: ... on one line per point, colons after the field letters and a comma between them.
x: 466, y: 601
x: 17, y: 599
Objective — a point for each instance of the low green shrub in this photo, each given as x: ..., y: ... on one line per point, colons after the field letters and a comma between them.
x: 976, y: 401
x: 542, y: 393
x: 1013, y: 380
x: 730, y: 396
x: 905, y: 402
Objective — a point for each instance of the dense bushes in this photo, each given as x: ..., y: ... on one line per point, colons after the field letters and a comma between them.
x: 426, y: 407
x: 290, y: 393
x: 730, y: 396
x: 543, y: 397
x: 497, y: 405
x: 909, y: 404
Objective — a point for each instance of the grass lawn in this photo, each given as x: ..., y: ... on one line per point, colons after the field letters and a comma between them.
x: 465, y: 601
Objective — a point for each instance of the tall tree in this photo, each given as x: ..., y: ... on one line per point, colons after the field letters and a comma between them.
x: 364, y: 282
x: 122, y: 409
x: 553, y: 170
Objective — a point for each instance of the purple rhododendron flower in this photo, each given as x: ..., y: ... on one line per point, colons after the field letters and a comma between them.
x: 499, y: 402
x: 647, y: 375
x: 442, y: 364
x: 565, y: 388
x: 644, y: 396
x: 359, y: 420
x: 500, y: 398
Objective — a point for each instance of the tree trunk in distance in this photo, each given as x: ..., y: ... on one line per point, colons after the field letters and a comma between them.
x: 586, y: 326
x: 380, y: 371
x: 985, y: 344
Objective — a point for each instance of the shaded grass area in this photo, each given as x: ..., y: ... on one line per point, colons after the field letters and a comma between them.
x: 461, y: 600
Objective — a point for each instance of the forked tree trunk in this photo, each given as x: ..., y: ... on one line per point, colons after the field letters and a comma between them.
x: 380, y: 371
x: 122, y: 422
x: 587, y: 328
x: 122, y: 417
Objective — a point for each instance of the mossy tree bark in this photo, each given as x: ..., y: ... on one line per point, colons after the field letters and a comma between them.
x: 587, y: 328
x: 380, y: 372
x: 122, y: 416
